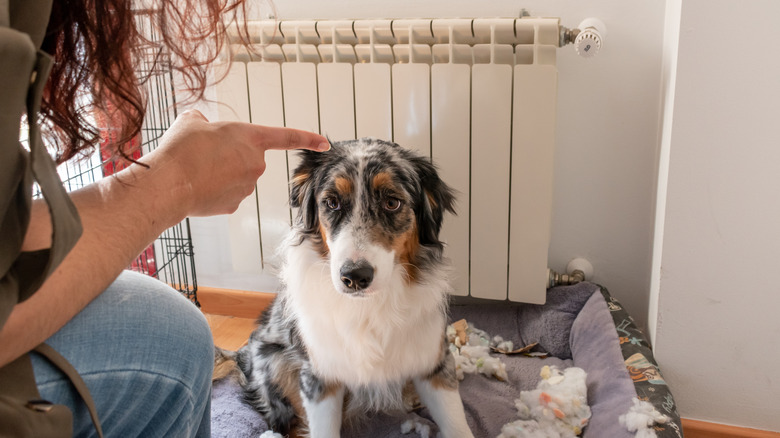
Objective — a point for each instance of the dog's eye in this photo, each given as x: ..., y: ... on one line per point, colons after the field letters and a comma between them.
x: 333, y: 203
x: 392, y: 204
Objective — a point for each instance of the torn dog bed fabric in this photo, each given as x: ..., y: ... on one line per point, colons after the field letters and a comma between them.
x: 581, y: 326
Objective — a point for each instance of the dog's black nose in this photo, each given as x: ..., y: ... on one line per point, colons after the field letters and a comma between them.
x: 357, y: 276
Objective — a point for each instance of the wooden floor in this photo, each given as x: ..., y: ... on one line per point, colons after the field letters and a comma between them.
x: 230, y: 332
x: 232, y: 314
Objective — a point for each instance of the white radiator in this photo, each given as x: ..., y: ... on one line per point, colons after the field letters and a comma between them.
x: 477, y: 96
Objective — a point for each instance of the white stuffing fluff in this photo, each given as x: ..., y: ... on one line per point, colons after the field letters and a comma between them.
x: 641, y: 418
x: 270, y: 434
x: 421, y: 428
x: 505, y: 346
x: 526, y: 429
x: 473, y: 356
x: 557, y: 408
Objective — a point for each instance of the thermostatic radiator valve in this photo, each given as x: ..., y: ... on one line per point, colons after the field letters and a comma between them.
x: 588, y: 38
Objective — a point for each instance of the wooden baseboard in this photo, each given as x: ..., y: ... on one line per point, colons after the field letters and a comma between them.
x: 231, y: 302
x: 703, y: 429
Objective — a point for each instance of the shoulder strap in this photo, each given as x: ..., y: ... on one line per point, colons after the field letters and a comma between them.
x: 18, y: 55
x: 65, y: 366
x: 5, y: 19
x: 66, y: 224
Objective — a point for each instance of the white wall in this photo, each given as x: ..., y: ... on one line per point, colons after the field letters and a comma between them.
x: 717, y: 326
x: 607, y: 127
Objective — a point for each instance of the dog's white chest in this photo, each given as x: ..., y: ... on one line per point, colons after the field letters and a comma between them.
x: 372, y: 351
x: 369, y: 341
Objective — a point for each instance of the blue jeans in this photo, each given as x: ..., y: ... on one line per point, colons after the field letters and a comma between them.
x: 146, y: 354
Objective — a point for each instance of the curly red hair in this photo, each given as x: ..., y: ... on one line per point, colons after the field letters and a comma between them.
x: 97, y: 46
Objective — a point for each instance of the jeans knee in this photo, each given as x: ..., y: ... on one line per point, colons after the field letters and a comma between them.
x: 177, y: 335
x: 138, y: 334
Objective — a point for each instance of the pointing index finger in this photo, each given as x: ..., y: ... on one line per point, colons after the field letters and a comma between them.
x: 289, y: 138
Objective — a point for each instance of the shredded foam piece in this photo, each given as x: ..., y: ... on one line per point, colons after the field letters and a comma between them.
x: 419, y: 427
x: 270, y: 434
x: 471, y: 347
x: 641, y: 418
x: 557, y: 408
x: 460, y: 330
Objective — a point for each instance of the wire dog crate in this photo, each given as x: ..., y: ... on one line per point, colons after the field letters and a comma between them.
x: 170, y: 257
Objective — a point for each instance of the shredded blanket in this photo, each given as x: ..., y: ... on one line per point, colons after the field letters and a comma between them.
x: 575, y: 328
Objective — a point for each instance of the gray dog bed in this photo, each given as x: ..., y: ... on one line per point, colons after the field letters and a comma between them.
x: 580, y: 325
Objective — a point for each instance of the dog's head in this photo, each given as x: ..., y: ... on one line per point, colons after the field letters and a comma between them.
x: 373, y: 209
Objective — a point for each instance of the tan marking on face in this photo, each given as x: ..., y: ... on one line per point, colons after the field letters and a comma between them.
x: 383, y: 180
x: 343, y: 186
x: 322, y: 245
x: 406, y: 247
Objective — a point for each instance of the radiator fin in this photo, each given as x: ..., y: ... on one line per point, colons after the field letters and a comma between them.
x: 477, y: 96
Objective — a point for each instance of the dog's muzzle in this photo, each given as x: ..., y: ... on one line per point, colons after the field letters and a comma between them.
x: 357, y: 276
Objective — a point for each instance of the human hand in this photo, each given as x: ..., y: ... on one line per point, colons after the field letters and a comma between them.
x: 207, y: 168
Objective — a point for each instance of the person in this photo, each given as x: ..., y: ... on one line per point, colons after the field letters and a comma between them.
x: 143, y: 350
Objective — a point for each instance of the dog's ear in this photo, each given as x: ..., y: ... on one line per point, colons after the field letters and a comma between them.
x: 302, y: 190
x: 436, y: 198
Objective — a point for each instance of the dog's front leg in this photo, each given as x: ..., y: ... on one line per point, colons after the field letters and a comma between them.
x: 324, y: 404
x: 439, y: 392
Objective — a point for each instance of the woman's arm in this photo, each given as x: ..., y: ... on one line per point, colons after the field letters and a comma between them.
x: 200, y: 169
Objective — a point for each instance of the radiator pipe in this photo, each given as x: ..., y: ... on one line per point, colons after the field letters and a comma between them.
x: 578, y: 270
x: 556, y: 279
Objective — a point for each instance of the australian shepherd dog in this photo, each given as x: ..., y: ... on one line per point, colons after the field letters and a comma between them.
x: 364, y: 306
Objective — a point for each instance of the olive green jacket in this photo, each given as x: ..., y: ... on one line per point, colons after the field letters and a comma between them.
x: 24, y: 70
